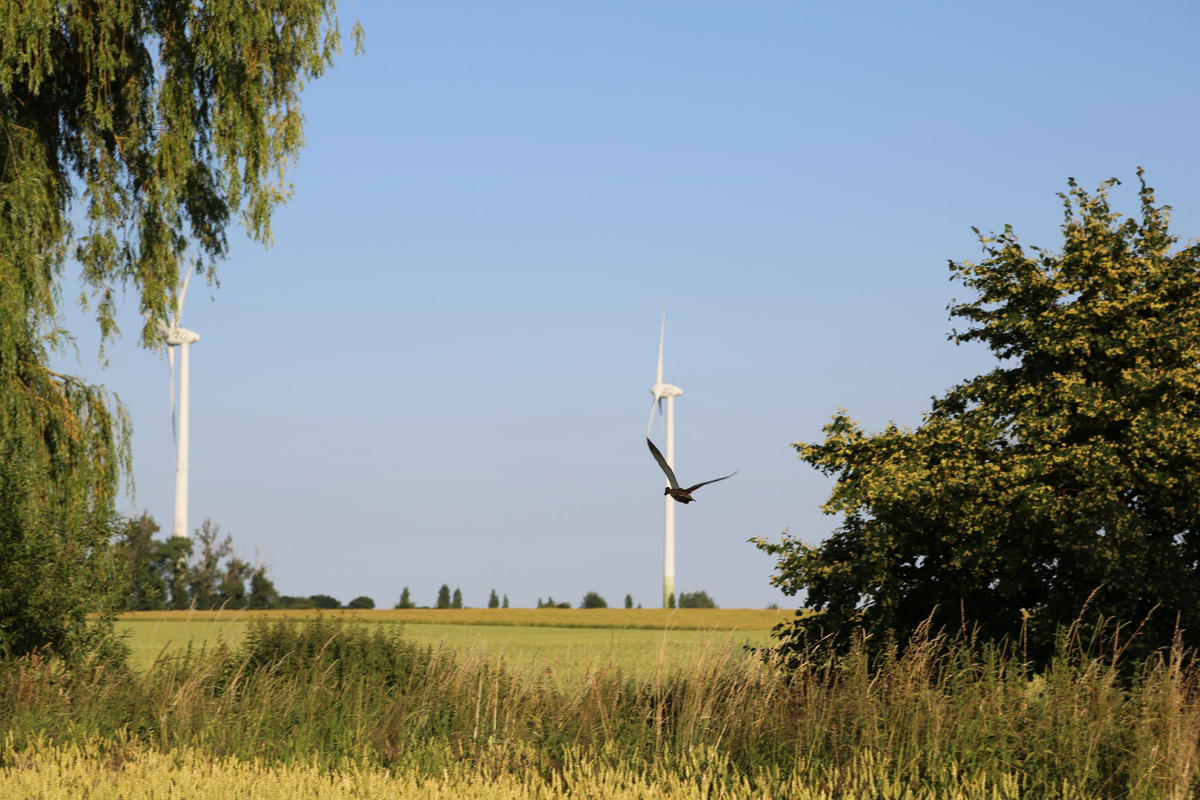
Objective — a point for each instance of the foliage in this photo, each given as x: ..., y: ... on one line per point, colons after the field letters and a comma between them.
x: 925, y: 720
x: 671, y: 600
x: 504, y: 602
x: 629, y: 601
x: 163, y: 574
x: 206, y: 568
x: 363, y: 602
x: 405, y: 600
x: 1067, y: 476
x: 551, y: 604
x: 145, y: 585
x: 593, y: 600
x: 443, y: 598
x: 262, y: 590
x: 149, y: 125
x: 457, y: 601
x: 324, y: 601
x: 698, y: 599
x: 493, y: 600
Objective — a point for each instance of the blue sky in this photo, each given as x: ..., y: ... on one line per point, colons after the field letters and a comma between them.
x: 440, y: 371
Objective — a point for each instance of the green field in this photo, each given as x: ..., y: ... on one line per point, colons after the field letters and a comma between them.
x: 568, y: 642
x: 339, y: 707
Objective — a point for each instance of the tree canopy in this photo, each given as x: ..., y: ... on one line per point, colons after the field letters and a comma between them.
x: 130, y: 134
x: 1068, y: 476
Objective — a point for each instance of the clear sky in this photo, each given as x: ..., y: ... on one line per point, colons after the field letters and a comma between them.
x: 440, y: 371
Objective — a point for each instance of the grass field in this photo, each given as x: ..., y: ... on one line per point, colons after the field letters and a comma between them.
x: 358, y: 706
x: 569, y: 642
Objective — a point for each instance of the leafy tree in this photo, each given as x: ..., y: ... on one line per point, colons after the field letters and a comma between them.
x: 698, y: 599
x: 205, y: 571
x: 324, y: 601
x: 1066, y: 476
x: 361, y: 602
x: 171, y: 560
x: 593, y: 600
x: 262, y: 589
x: 493, y: 600
x: 405, y: 599
x: 671, y: 600
x: 150, y: 125
x: 145, y: 586
x: 443, y: 598
x: 231, y: 592
x: 287, y: 601
x: 629, y: 601
x: 504, y: 602
x: 457, y: 601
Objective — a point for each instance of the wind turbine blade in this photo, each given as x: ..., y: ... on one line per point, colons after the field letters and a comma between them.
x: 182, y: 296
x: 171, y: 361
x: 661, y: 333
x: 650, y: 424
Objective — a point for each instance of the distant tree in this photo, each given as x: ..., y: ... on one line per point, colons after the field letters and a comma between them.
x: 361, y: 602
x: 493, y: 600
x: 593, y: 600
x: 297, y: 603
x: 551, y: 604
x: 205, y: 570
x: 324, y: 601
x: 457, y: 601
x: 671, y: 600
x: 696, y: 600
x: 443, y: 598
x: 262, y: 589
x: 231, y: 592
x: 629, y: 601
x: 504, y: 602
x: 405, y: 599
x: 171, y: 560
x: 145, y: 586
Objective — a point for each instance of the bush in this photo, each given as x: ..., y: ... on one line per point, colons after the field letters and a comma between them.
x: 593, y: 600
x: 361, y: 602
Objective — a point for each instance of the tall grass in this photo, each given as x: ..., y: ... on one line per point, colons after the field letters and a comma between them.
x: 936, y: 716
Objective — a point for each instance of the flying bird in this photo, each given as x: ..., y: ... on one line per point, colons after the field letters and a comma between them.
x: 681, y: 495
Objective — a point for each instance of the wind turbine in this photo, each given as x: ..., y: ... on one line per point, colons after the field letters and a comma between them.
x: 176, y: 336
x: 665, y: 391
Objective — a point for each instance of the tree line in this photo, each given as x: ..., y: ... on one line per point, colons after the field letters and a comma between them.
x: 178, y: 573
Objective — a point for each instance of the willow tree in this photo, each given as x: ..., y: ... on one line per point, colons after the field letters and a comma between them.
x: 131, y: 133
x: 1064, y: 481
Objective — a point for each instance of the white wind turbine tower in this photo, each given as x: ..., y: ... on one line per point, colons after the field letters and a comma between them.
x: 176, y: 336
x: 665, y: 391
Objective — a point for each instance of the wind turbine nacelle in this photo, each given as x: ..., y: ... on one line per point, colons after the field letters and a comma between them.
x: 665, y: 390
x: 176, y: 335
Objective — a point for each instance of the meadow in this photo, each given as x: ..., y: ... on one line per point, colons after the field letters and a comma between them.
x: 568, y: 642
x: 351, y: 706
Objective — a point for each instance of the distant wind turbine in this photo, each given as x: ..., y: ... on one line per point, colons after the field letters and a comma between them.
x: 175, y: 336
x: 665, y: 391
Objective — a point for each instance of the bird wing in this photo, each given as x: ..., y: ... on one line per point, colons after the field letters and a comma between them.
x: 662, y: 462
x: 691, y: 489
